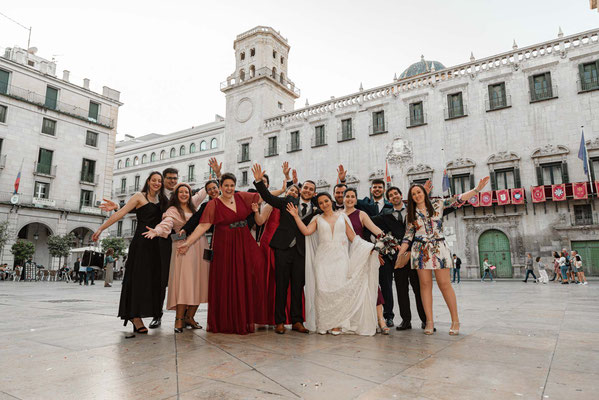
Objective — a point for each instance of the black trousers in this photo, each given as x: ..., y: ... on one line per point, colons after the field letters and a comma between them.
x: 530, y: 272
x: 166, y: 249
x: 386, y: 284
x: 289, y: 271
x: 403, y: 278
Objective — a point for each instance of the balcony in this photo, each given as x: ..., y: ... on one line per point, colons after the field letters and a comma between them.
x: 243, y: 157
x: 319, y: 140
x: 209, y: 176
x: 89, y: 179
x: 541, y: 94
x: 456, y: 112
x: 51, y: 104
x: 416, y: 120
x: 294, y: 146
x: 379, y: 128
x: 588, y: 84
x: 189, y: 179
x: 345, y: 135
x: 44, y: 170
x: 134, y: 189
x: 259, y: 74
x: 122, y: 191
x: 271, y: 151
x: 50, y: 203
x: 498, y: 103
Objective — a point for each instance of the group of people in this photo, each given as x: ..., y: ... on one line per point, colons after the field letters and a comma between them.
x: 567, y: 267
x: 287, y: 257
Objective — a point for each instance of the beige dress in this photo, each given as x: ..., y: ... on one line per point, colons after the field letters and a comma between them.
x: 188, y: 277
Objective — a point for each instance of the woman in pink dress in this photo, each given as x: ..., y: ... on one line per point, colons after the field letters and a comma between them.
x: 236, y: 254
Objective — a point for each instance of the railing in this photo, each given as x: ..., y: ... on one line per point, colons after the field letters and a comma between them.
x: 50, y: 203
x: 265, y: 29
x: 265, y: 72
x: 243, y: 157
x: 133, y: 189
x: 271, y: 151
x: 545, y: 93
x: 344, y: 135
x: 319, y: 140
x: 191, y: 179
x: 456, y: 112
x: 585, y: 85
x: 41, y: 100
x: 44, y: 169
x: 208, y: 176
x: 416, y: 120
x: 294, y: 146
x: 3, y: 161
x: 90, y: 179
x: 378, y: 128
x: 512, y: 58
x: 498, y: 103
x: 121, y: 191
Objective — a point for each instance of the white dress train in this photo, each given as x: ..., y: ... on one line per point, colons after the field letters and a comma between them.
x: 341, y: 280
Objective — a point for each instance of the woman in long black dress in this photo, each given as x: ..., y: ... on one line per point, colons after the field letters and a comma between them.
x: 140, y: 292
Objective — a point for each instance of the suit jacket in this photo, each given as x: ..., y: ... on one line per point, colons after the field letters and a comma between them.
x: 370, y: 207
x: 287, y: 229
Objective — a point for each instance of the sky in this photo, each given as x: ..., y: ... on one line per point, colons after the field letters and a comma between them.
x: 168, y: 60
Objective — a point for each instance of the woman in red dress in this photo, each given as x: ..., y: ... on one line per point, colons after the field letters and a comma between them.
x: 232, y: 284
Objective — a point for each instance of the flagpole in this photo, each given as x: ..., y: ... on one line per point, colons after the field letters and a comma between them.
x: 586, y: 152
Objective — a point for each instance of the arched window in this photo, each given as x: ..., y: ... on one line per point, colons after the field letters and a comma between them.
x: 144, y: 159
x: 163, y: 154
x: 119, y: 164
x: 213, y: 143
x: 127, y: 163
x: 136, y: 160
x: 252, y: 71
x: 274, y: 72
x: 242, y: 75
x: 152, y: 157
x: 173, y: 153
x: 182, y: 151
x: 203, y: 145
x: 282, y: 78
x: 192, y: 148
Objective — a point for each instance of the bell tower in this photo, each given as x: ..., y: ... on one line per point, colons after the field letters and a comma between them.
x: 258, y: 89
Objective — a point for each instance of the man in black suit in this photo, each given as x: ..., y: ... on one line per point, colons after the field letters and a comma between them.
x: 339, y: 189
x: 289, y: 247
x: 375, y: 204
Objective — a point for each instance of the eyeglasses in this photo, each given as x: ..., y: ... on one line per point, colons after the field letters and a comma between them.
x: 172, y: 179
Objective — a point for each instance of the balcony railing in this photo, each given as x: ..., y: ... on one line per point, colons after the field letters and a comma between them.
x: 190, y: 179
x: 456, y: 112
x: 378, y: 128
x: 260, y: 73
x: 294, y: 146
x: 415, y: 120
x: 64, y: 108
x: 271, y: 151
x: 208, y: 176
x: 319, y: 140
x: 344, y: 135
x: 121, y: 191
x: 498, y: 103
x: 134, y: 189
x: 585, y: 85
x: 546, y: 93
x: 44, y: 169
x: 243, y: 157
x: 89, y: 179
x: 50, y: 203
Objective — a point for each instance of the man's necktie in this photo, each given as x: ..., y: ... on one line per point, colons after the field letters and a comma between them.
x: 304, y: 209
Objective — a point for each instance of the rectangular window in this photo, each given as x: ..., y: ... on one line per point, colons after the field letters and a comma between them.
x: 133, y: 226
x: 191, y: 173
x: 294, y: 141
x: 460, y: 183
x: 4, y: 75
x: 272, y: 149
x: 497, y: 96
x: 589, y: 75
x: 87, y: 198
x: 88, y: 170
x: 245, y: 152
x: 540, y: 87
x: 594, y: 168
x: 51, y: 97
x: 505, y: 179
x: 136, y: 183
x: 91, y: 139
x: 119, y: 228
x: 3, y: 110
x: 244, y: 178
x: 94, y: 110
x: 416, y: 114
x: 378, y: 122
x: 49, y: 126
x: 123, y: 185
x: 346, y: 129
x: 44, y: 161
x: 41, y: 190
x: 552, y: 174
x: 419, y: 181
x: 583, y: 214
x: 319, y: 136
x: 455, y: 105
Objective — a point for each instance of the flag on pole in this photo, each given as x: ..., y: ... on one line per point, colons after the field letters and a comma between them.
x: 18, y: 180
x: 582, y: 154
x: 446, y: 184
x: 387, y: 177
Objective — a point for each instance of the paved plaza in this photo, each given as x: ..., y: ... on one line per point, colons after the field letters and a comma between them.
x: 518, y: 341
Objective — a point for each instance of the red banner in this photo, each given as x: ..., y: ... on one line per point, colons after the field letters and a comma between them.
x: 474, y: 201
x: 486, y: 199
x: 558, y: 192
x: 503, y: 197
x: 597, y: 188
x: 518, y: 196
x: 538, y: 194
x: 579, y: 190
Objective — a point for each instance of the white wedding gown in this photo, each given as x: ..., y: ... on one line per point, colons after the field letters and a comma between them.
x: 341, y: 280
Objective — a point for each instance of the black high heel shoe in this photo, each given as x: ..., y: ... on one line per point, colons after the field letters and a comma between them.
x: 142, y: 330
x: 191, y: 323
x: 179, y: 330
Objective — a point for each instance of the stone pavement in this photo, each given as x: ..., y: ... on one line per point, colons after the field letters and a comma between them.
x: 518, y: 341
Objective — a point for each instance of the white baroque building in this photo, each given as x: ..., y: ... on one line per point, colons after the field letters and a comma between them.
x: 516, y: 116
x: 188, y: 151
x: 61, y: 136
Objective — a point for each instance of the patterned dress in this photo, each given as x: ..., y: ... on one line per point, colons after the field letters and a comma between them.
x: 429, y: 249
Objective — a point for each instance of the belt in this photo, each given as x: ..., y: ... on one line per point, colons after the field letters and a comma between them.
x: 423, y: 240
x: 238, y: 224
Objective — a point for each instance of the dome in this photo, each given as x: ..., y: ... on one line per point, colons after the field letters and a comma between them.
x: 421, y: 67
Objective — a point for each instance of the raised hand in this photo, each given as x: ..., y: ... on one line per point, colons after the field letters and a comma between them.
x: 108, y: 205
x: 286, y: 169
x: 151, y: 233
x: 294, y: 176
x: 258, y: 172
x: 428, y: 186
x: 482, y: 183
x: 341, y: 172
x: 291, y: 209
x: 255, y: 207
x: 284, y: 186
x: 216, y: 167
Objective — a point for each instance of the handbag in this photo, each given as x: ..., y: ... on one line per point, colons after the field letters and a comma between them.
x: 208, y: 253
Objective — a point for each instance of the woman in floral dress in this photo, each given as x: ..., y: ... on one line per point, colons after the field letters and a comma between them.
x: 430, y: 252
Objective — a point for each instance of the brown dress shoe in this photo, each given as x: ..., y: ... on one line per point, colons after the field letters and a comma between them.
x: 298, y: 326
x: 280, y: 329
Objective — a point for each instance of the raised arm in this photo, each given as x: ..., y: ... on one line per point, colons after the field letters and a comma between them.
x: 305, y: 230
x: 274, y: 201
x: 131, y: 204
x: 471, y: 193
x: 216, y: 166
x: 280, y: 191
x: 261, y: 217
x: 367, y: 222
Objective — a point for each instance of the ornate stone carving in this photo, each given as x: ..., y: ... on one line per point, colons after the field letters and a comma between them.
x: 379, y: 174
x: 593, y: 144
x: 420, y: 169
x: 351, y: 179
x: 550, y: 150
x: 400, y: 151
x: 322, y: 183
x: 460, y: 163
x: 502, y: 156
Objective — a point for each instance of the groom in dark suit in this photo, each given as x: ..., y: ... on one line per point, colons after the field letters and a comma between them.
x: 289, y: 246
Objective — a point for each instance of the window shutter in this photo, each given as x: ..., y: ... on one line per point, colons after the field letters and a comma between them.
x: 539, y: 175
x: 581, y: 75
x: 493, y: 179
x: 4, y: 81
x: 490, y: 89
x: 591, y: 165
x: 452, y: 185
x: 549, y: 86
x: 565, y: 177
x: 471, y: 181
x: 517, y: 181
x: 531, y: 85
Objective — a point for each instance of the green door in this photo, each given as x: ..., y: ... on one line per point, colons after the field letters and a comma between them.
x: 495, y: 246
x: 589, y: 252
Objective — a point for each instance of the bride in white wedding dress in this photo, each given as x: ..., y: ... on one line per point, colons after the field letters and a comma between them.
x: 342, y: 274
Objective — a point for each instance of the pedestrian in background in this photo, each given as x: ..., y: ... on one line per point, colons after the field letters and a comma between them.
x: 577, y: 265
x: 109, y: 267
x: 456, y: 270
x: 563, y: 268
x: 543, y: 278
x: 529, y: 268
x: 487, y: 270
x: 556, y: 271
